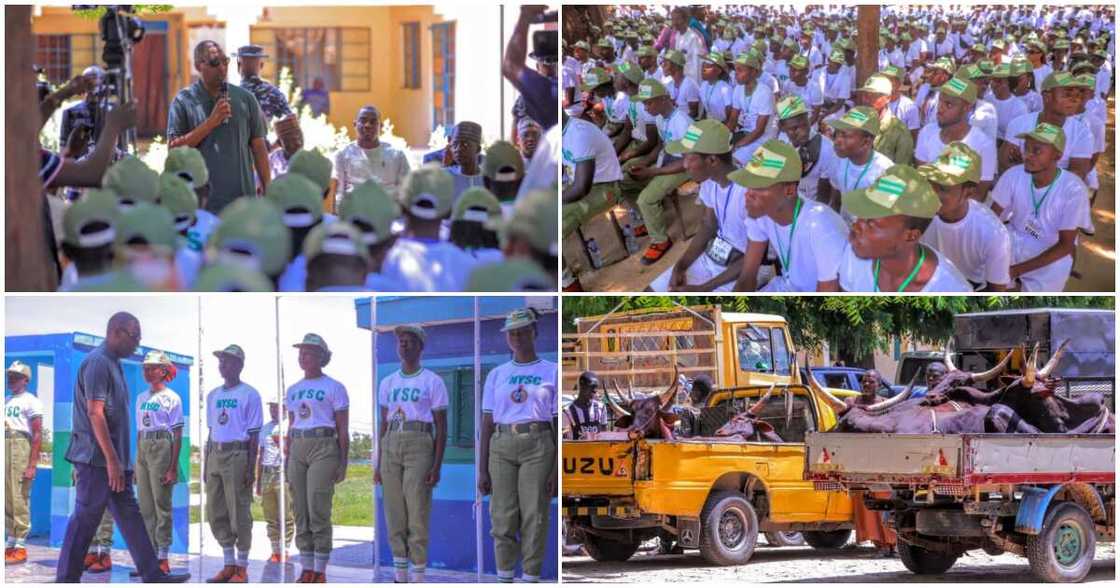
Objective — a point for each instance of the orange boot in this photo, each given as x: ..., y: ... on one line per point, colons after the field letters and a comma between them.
x: 223, y: 576
x: 240, y: 575
x: 90, y: 560
x: 165, y: 566
x: 320, y: 578
x: 104, y: 563
x: 17, y: 555
x: 307, y: 577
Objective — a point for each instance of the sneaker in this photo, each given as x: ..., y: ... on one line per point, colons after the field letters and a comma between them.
x: 320, y: 578
x: 90, y: 560
x: 223, y: 575
x: 104, y: 563
x: 307, y: 577
x: 16, y: 555
x: 240, y: 575
x: 640, y: 231
x: 165, y: 566
x: 276, y: 558
x: 656, y: 251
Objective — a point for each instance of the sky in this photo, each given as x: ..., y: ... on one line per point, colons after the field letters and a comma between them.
x: 171, y: 323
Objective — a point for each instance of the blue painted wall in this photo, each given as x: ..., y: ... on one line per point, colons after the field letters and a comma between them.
x: 448, y: 324
x: 53, y: 493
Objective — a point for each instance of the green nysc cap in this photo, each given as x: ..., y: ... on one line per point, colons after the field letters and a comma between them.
x: 298, y: 198
x: 878, y: 84
x: 477, y: 204
x: 147, y: 224
x: 251, y: 234
x: 774, y: 162
x: 749, y: 59
x: 503, y: 162
x: 1002, y: 70
x: 1058, y: 79
x: 791, y: 106
x: 187, y: 163
x: 313, y: 340
x: 1047, y: 133
x: 715, y: 58
x: 511, y: 275
x: 314, y: 166
x: 224, y: 277
x: 427, y: 193
x: 798, y: 62
x: 337, y: 238
x: 900, y: 190
x: 415, y: 330
x: 631, y: 72
x: 960, y: 88
x: 649, y: 89
x: 232, y: 350
x: 91, y: 221
x: 837, y: 56
x: 708, y: 136
x: 860, y: 118
x: 520, y: 318
x: 956, y: 165
x: 371, y: 210
x: 594, y: 78
x: 674, y: 56
x: 645, y: 51
x: 132, y: 180
x: 176, y: 195
x: 892, y: 71
x: 534, y: 220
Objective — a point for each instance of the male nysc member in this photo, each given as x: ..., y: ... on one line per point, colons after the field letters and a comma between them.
x: 318, y: 451
x: 413, y: 404
x: 518, y: 453
x: 23, y: 428
x: 233, y: 414
x: 269, y: 461
x: 159, y: 428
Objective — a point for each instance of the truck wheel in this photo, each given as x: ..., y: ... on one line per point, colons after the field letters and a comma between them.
x: 729, y: 529
x: 1063, y: 551
x: 924, y: 562
x: 827, y: 539
x: 785, y: 539
x: 602, y: 549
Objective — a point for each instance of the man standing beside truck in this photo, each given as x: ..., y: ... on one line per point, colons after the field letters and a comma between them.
x: 586, y: 414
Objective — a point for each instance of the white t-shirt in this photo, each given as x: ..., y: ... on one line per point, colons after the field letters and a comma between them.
x: 906, y: 111
x: 199, y: 233
x: 846, y: 176
x: 314, y: 402
x: 20, y: 409
x: 232, y: 414
x: 1079, y: 139
x: 858, y: 275
x: 1033, y: 100
x: 1064, y: 208
x: 1007, y: 111
x: 978, y: 245
x: 583, y: 141
x: 269, y: 442
x: 353, y: 166
x: 814, y: 251
x: 715, y: 97
x: 929, y: 147
x: 521, y: 393
x: 426, y: 265
x: 414, y: 397
x: 688, y: 92
x: 811, y: 93
x: 615, y: 107
x: 760, y: 102
x: 837, y: 86
x: 640, y: 118
x: 162, y: 411
x: 807, y: 188
x: 671, y: 129
x: 985, y: 118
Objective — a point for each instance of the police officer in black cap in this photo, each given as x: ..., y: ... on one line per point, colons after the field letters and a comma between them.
x: 272, y: 100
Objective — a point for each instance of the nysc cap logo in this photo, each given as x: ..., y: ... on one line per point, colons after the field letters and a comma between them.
x: 886, y: 191
x: 691, y: 136
x: 766, y: 163
x: 956, y: 165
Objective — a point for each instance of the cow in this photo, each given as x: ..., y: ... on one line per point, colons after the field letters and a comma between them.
x: 747, y: 426
x: 646, y: 417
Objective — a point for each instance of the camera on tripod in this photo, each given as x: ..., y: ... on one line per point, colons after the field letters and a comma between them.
x: 120, y: 30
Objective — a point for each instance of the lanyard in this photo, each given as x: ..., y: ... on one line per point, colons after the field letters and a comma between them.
x: 665, y: 137
x: 848, y: 165
x: 909, y: 278
x: 788, y: 253
x: 726, y: 205
x: 1038, y: 203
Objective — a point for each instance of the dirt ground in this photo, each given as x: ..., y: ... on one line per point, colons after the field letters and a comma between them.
x: 1095, y: 267
x: 805, y: 564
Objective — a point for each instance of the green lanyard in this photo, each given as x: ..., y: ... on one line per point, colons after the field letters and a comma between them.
x: 785, y: 257
x: 1038, y: 203
x: 909, y: 278
x: 848, y: 165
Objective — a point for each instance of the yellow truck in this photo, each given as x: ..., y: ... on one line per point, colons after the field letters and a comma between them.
x: 708, y: 493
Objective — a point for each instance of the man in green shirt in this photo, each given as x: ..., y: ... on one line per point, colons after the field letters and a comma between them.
x: 224, y: 123
x: 894, y: 139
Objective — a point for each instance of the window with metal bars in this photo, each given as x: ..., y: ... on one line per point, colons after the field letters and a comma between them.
x: 410, y: 34
x: 52, y: 53
x: 337, y: 57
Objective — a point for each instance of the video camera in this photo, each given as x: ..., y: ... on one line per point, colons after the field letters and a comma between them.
x: 120, y: 30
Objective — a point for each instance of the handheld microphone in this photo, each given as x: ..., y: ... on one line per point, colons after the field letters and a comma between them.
x: 225, y: 94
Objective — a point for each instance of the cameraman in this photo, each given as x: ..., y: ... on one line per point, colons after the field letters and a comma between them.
x: 79, y: 122
x: 231, y: 137
x: 538, y: 88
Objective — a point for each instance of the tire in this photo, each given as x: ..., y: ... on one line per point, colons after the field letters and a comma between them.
x: 1063, y: 551
x: 728, y: 529
x: 827, y: 539
x: 600, y: 549
x: 924, y: 562
x: 785, y: 539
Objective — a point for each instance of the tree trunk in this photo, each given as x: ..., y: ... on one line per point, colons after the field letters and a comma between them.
x: 27, y: 262
x: 867, y: 43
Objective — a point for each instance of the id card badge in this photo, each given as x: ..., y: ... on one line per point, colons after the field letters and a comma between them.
x: 1033, y: 227
x: 719, y: 250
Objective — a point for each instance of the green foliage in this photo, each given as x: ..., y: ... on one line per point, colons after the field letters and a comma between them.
x: 140, y: 10
x: 855, y: 326
x: 361, y: 446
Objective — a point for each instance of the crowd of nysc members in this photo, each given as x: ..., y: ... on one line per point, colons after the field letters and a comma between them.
x: 966, y: 162
x: 232, y: 212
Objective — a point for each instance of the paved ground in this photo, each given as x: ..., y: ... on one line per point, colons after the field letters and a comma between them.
x: 804, y: 564
x: 1096, y: 255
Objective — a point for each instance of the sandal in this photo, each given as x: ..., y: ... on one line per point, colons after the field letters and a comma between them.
x: 656, y: 251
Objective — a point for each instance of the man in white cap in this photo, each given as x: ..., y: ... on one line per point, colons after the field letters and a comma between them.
x: 23, y: 436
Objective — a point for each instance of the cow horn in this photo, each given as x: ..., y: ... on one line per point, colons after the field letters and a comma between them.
x: 949, y: 357
x: 1054, y: 359
x: 833, y: 402
x: 671, y: 392
x: 985, y: 376
x: 1031, y: 370
x: 890, y: 402
x: 757, y: 408
x: 615, y: 408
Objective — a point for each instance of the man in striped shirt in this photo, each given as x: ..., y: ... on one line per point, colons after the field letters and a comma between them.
x: 587, y: 414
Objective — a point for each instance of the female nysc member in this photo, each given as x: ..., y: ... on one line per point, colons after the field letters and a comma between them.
x: 413, y: 404
x: 159, y: 428
x: 518, y: 465
x: 319, y: 442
